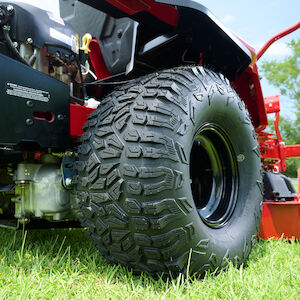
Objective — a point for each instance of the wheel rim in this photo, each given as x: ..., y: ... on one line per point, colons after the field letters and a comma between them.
x: 214, y: 175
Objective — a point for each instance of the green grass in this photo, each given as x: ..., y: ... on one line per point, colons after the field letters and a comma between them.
x: 62, y: 264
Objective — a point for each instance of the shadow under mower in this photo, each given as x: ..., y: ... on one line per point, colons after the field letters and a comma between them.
x: 146, y: 136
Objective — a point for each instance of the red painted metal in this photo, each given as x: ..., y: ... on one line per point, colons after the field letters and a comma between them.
x: 78, y: 117
x: 273, y: 150
x: 272, y: 104
x: 299, y: 182
x: 97, y: 60
x: 249, y: 89
x: 166, y: 13
x: 291, y: 150
x: 277, y: 37
x: 280, y: 220
x: 250, y: 48
x: 38, y: 155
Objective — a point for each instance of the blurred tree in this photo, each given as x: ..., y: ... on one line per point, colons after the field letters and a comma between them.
x: 286, y: 76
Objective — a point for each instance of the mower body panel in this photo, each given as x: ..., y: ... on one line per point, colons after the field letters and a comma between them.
x: 228, y: 48
x: 35, y: 107
x: 280, y: 220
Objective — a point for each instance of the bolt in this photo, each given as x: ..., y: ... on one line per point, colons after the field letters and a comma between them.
x: 240, y: 157
x: 29, y: 122
x: 120, y: 33
x: 29, y: 40
x: 29, y: 103
x: 60, y: 117
x: 10, y: 8
x: 68, y: 182
x: 15, y: 44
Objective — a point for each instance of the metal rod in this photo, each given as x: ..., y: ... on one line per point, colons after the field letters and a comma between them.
x: 277, y: 37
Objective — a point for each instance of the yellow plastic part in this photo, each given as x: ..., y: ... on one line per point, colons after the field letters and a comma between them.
x: 86, y: 39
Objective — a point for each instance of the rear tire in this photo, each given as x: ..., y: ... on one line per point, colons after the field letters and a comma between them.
x: 169, y: 173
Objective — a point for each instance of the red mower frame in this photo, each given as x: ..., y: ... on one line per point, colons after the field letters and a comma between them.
x: 279, y: 219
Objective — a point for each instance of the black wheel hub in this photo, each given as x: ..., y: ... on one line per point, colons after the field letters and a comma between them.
x: 214, y: 175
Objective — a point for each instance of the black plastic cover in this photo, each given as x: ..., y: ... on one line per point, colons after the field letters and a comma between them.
x: 278, y: 187
x: 116, y: 36
x: 199, y: 31
x: 35, y: 110
x: 84, y: 18
x: 224, y: 52
x: 41, y: 26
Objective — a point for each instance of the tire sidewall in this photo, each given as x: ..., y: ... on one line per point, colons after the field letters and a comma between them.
x: 228, y: 112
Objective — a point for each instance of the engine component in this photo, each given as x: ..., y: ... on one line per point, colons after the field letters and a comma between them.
x: 39, y: 191
x: 40, y: 39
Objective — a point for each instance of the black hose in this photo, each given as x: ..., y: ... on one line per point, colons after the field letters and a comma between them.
x: 83, y: 87
x: 12, y: 47
x: 76, y: 100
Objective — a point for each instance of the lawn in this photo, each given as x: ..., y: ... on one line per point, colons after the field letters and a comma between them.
x: 62, y: 264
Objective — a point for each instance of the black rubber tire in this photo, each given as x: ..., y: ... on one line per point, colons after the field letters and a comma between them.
x: 134, y: 187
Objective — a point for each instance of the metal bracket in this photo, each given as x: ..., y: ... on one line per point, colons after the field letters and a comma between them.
x: 67, y: 170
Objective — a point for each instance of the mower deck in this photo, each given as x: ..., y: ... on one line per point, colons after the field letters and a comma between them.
x: 280, y: 220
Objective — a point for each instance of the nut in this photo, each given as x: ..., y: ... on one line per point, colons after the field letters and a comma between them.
x: 10, y: 8
x: 29, y: 122
x: 68, y: 182
x: 60, y: 117
x: 29, y: 103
